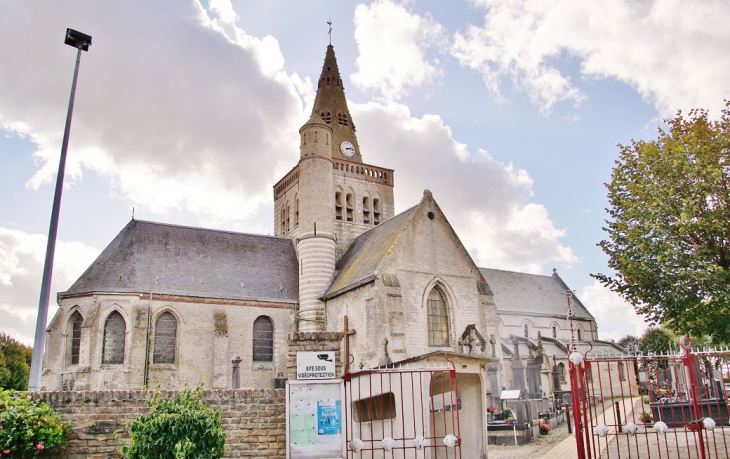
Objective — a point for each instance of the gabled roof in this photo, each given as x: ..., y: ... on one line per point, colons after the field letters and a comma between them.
x: 531, y: 294
x: 361, y: 260
x: 179, y: 260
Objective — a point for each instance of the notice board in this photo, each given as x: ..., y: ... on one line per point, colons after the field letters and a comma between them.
x: 314, y: 419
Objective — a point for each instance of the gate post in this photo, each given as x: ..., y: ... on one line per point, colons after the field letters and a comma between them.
x: 575, y: 397
x: 689, y: 364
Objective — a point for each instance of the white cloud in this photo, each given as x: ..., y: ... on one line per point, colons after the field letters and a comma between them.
x: 176, y: 108
x: 487, y: 202
x: 616, y: 318
x: 22, y: 256
x: 672, y: 52
x: 392, y: 43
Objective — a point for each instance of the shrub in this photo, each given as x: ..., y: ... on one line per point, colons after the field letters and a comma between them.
x: 29, y: 427
x: 544, y: 428
x: 178, y: 428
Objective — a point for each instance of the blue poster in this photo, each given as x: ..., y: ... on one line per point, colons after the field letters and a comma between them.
x: 329, y: 417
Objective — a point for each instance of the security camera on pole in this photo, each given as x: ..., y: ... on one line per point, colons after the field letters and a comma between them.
x: 81, y: 42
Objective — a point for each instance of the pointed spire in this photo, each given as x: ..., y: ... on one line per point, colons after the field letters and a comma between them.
x: 330, y: 107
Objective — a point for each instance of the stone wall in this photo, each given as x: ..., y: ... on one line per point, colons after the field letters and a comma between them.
x: 254, y: 420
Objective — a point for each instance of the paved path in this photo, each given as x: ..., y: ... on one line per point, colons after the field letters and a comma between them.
x: 566, y: 449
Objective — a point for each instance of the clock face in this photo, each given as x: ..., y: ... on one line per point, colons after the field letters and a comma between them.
x: 347, y: 149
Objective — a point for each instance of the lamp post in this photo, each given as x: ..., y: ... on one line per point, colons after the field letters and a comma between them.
x: 81, y: 42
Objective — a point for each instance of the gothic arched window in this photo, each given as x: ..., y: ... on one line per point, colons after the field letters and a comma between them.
x: 621, y: 372
x: 526, y: 330
x: 561, y: 366
x: 338, y: 206
x: 365, y: 210
x: 438, y: 319
x: 165, y: 338
x: 349, y: 206
x: 376, y: 211
x: 263, y: 340
x: 114, y: 333
x: 580, y: 335
x: 555, y: 331
x: 74, y: 327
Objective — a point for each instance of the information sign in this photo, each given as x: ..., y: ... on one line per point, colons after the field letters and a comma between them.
x: 314, y: 419
x: 316, y: 365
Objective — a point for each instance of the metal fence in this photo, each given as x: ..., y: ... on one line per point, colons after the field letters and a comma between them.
x: 404, y: 412
x: 672, y: 405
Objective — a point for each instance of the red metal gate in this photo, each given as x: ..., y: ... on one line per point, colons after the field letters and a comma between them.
x: 657, y: 406
x: 406, y: 412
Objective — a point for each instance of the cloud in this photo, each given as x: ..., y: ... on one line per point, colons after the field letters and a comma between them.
x: 176, y: 106
x: 392, y: 43
x: 487, y: 202
x: 671, y: 52
x: 22, y: 256
x: 616, y: 318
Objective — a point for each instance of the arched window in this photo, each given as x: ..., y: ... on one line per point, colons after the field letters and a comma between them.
x: 114, y: 333
x: 283, y: 220
x: 621, y: 372
x: 438, y: 319
x: 526, y: 331
x: 561, y: 366
x: 580, y: 335
x: 263, y: 340
x: 350, y: 207
x: 376, y: 211
x: 365, y: 210
x: 555, y: 331
x: 74, y: 327
x: 165, y: 338
x: 287, y: 216
x: 338, y: 206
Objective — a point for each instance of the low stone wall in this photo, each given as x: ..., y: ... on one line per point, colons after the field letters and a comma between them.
x: 254, y: 420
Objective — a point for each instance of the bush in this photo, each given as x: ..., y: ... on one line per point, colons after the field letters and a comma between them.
x: 29, y: 427
x: 179, y: 428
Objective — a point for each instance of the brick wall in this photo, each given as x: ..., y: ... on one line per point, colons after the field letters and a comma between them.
x: 254, y: 420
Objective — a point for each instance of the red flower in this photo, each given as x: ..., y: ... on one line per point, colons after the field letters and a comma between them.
x: 40, y: 446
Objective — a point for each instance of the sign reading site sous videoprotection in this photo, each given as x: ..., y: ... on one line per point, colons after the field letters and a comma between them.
x: 316, y: 365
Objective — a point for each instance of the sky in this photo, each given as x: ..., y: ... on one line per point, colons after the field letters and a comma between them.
x: 509, y: 111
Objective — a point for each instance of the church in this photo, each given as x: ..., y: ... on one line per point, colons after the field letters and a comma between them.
x: 166, y: 305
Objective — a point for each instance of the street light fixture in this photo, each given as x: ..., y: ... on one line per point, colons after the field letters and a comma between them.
x: 81, y: 42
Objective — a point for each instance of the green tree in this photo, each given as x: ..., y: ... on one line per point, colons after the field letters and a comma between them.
x: 631, y: 343
x: 14, y: 363
x: 657, y: 340
x: 669, y: 226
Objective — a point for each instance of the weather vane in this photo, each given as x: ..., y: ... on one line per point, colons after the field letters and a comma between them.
x: 330, y: 31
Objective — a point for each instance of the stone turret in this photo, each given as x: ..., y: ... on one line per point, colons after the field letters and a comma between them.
x: 315, y: 240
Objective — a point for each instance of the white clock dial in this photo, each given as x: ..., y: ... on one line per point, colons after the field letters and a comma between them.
x: 347, y: 149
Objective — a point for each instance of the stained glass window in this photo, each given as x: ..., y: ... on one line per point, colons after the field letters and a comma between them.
x: 114, y: 333
x: 165, y: 338
x: 438, y: 319
x: 263, y: 340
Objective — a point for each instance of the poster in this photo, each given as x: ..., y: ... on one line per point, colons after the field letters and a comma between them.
x: 314, y: 420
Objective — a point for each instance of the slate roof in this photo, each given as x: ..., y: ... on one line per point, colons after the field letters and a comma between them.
x: 186, y: 261
x: 362, y: 258
x: 522, y: 293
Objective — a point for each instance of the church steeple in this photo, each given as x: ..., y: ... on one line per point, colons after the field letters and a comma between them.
x: 330, y: 107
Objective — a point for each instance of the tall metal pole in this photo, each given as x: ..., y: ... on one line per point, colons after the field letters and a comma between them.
x: 36, y: 366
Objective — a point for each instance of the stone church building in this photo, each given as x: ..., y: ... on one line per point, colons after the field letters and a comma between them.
x: 168, y: 305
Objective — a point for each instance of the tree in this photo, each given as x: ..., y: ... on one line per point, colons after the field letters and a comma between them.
x: 631, y: 343
x: 658, y: 341
x: 669, y: 227
x: 14, y: 363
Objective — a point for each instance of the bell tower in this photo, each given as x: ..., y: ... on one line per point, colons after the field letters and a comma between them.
x: 331, y: 196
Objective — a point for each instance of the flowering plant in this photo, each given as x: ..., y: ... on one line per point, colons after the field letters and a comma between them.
x: 28, y: 427
x: 545, y: 428
x: 491, y: 409
x: 645, y: 417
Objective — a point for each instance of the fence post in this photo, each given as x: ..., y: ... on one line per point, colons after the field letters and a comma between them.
x: 575, y: 396
x: 618, y: 414
x: 567, y: 418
